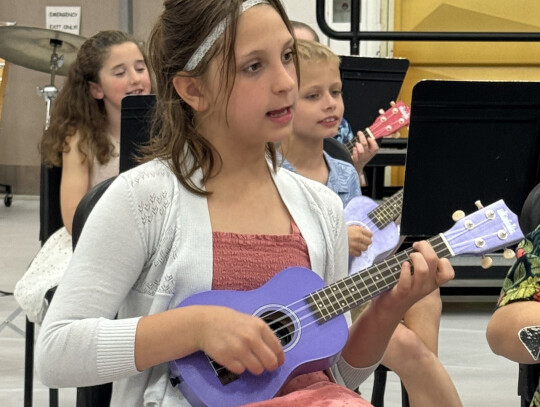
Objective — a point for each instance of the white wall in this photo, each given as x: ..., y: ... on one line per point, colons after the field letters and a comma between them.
x: 370, y: 16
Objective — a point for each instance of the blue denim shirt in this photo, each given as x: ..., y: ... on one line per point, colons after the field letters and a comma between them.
x: 342, y: 178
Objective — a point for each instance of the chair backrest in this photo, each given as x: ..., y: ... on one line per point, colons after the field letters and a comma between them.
x: 50, y: 215
x: 85, y: 206
x: 529, y: 217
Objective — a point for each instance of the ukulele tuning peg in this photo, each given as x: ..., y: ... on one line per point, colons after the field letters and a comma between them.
x: 509, y: 254
x: 392, y: 103
x: 457, y: 215
x: 381, y: 111
x: 397, y: 134
x: 479, y: 204
x: 487, y: 262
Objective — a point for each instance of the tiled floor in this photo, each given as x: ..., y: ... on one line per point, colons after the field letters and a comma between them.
x: 481, y: 378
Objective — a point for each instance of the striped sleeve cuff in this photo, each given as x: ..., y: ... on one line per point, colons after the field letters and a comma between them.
x: 116, y: 348
x: 351, y: 376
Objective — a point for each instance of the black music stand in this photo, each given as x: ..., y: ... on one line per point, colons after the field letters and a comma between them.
x: 469, y: 141
x: 370, y: 84
x: 136, y: 118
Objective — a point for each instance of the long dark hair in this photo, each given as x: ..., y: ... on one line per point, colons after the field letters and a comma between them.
x: 180, y: 29
x: 75, y: 110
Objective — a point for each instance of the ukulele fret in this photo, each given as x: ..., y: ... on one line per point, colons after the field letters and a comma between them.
x: 388, y: 211
x: 319, y: 306
x: 352, y: 296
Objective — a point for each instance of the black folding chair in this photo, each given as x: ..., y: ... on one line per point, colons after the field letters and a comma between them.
x: 99, y: 395
x: 50, y: 220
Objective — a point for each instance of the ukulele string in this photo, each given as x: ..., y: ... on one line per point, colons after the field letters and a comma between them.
x: 350, y: 296
x: 451, y: 235
x: 366, y: 271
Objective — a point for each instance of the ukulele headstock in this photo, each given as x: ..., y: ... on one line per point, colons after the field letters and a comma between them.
x: 488, y: 229
x: 390, y: 121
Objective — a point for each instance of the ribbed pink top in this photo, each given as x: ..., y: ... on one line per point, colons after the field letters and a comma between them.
x: 245, y: 262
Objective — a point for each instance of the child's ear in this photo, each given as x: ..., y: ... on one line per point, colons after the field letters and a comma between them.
x: 96, y: 91
x: 190, y: 90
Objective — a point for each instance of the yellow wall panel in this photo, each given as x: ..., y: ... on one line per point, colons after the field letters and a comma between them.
x: 466, y: 60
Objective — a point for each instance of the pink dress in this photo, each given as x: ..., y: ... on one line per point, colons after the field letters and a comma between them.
x: 245, y: 262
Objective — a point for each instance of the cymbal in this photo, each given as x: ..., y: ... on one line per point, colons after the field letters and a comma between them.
x: 31, y: 47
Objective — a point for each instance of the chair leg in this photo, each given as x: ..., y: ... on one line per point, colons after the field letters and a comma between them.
x: 404, y: 396
x: 99, y: 395
x: 379, y: 386
x: 8, y: 322
x: 29, y: 364
x: 53, y: 397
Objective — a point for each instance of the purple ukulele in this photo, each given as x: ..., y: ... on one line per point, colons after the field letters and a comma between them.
x: 307, y: 316
x: 364, y: 211
x: 380, y: 220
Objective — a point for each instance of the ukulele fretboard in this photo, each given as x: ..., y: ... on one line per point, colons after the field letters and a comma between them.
x: 349, y: 292
x: 388, y: 211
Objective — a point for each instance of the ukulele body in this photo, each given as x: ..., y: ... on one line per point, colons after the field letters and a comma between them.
x: 309, y: 345
x: 384, y: 240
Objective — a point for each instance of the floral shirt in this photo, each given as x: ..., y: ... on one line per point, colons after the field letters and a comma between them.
x: 345, y: 133
x: 522, y: 282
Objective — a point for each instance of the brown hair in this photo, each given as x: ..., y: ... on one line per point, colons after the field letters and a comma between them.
x: 75, y: 110
x: 304, y: 26
x: 181, y: 28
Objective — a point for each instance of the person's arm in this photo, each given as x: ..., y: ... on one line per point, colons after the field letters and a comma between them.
x: 519, y: 308
x: 369, y: 335
x: 81, y: 343
x: 75, y: 180
x: 503, y: 331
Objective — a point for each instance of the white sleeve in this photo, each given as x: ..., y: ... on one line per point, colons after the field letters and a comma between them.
x: 345, y: 374
x: 80, y: 343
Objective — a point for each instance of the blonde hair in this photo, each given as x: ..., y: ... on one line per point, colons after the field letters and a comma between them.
x: 178, y: 33
x: 311, y: 51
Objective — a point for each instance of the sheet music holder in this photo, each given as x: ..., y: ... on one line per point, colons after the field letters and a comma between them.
x: 469, y: 141
x: 370, y: 84
x: 134, y: 127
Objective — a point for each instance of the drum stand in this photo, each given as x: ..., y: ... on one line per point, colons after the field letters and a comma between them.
x: 49, y: 92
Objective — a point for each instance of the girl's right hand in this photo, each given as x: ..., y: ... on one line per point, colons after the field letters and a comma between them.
x: 239, y: 341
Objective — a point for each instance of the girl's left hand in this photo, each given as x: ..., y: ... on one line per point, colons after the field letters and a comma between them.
x: 426, y: 273
x: 364, y: 151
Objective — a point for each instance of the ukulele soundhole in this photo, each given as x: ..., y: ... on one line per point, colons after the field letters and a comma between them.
x: 285, y: 326
x: 281, y: 324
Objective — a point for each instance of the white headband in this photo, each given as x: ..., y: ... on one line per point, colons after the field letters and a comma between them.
x: 201, y: 51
